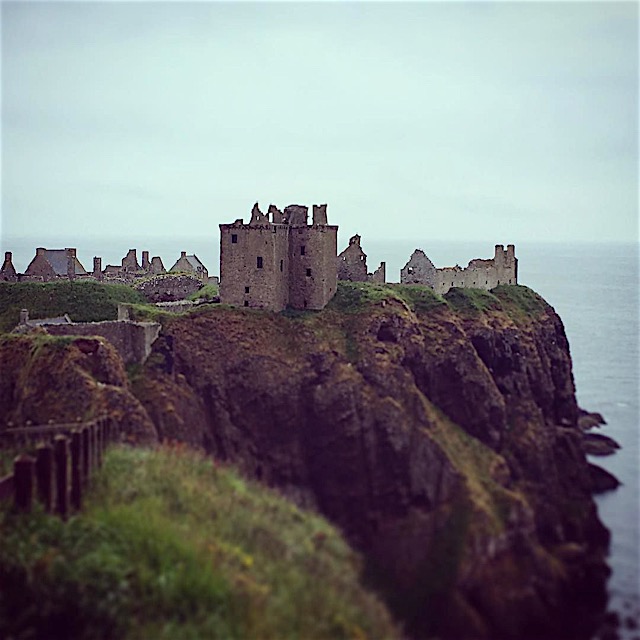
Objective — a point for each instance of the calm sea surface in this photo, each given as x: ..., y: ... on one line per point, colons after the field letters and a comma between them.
x: 594, y: 288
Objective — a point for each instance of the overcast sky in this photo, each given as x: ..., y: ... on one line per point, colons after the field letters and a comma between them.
x: 504, y: 122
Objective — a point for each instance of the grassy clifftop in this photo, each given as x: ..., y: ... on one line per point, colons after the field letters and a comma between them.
x: 173, y: 546
x: 83, y: 301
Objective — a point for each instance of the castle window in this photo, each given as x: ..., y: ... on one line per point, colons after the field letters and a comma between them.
x: 509, y: 280
x: 281, y: 265
x: 303, y: 250
x: 246, y: 303
x: 308, y: 273
x: 234, y: 238
x: 246, y: 289
x: 259, y: 262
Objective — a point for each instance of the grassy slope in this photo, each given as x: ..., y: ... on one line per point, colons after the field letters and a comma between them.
x: 172, y: 546
x: 83, y: 301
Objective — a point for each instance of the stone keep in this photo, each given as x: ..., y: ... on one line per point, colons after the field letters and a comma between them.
x: 279, y: 260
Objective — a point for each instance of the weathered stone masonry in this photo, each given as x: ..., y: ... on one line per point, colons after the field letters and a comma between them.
x: 279, y: 262
x: 479, y: 274
x: 352, y: 265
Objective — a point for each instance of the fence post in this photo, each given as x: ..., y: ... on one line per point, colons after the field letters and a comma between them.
x: 76, y: 470
x: 86, y: 457
x: 100, y: 435
x: 61, y: 454
x: 94, y: 445
x: 23, y: 467
x: 44, y: 475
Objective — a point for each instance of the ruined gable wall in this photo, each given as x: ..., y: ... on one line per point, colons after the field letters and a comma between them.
x: 40, y: 268
x: 352, y: 263
x: 8, y: 272
x: 313, y: 274
x: 268, y: 285
x: 419, y: 270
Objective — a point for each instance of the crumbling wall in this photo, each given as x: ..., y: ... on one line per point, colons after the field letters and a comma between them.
x: 168, y: 287
x: 479, y: 274
x: 379, y: 276
x: 419, y: 270
x: 352, y: 262
x: 132, y: 340
x: 8, y: 272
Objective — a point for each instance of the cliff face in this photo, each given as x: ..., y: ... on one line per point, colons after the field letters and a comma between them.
x: 442, y: 438
x: 66, y: 380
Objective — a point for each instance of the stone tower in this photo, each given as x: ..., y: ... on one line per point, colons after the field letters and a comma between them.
x: 279, y: 260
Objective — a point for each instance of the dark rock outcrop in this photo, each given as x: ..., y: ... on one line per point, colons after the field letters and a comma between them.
x: 443, y: 442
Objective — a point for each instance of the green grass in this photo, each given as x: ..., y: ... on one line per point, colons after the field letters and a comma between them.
x: 471, y: 301
x: 208, y: 292
x: 171, y: 545
x: 83, y: 301
x: 519, y: 301
x: 419, y: 298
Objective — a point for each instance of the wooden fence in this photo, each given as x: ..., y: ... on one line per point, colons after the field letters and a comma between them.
x: 59, y: 470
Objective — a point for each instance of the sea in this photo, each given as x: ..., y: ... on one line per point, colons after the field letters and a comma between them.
x: 594, y: 287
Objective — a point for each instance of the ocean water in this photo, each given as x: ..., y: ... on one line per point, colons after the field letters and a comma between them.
x: 594, y: 288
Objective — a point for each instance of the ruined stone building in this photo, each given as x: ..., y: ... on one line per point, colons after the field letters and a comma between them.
x: 480, y: 274
x: 129, y: 270
x: 190, y: 264
x: 352, y: 264
x: 279, y: 260
x: 51, y: 264
x: 8, y: 272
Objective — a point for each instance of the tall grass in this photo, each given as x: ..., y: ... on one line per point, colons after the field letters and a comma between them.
x: 173, y: 546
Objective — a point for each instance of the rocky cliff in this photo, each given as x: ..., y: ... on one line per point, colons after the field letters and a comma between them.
x: 441, y: 436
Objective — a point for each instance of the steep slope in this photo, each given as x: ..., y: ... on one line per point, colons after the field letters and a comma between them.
x: 46, y: 379
x: 441, y: 437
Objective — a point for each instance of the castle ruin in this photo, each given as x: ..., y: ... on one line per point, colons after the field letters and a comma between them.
x: 279, y: 260
x: 352, y: 265
x: 479, y: 274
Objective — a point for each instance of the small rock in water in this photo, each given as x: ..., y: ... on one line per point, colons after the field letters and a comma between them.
x: 587, y: 420
x: 602, y: 480
x: 595, y: 444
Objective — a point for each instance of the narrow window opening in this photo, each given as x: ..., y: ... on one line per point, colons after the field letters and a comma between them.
x: 246, y: 303
x: 281, y: 265
x: 308, y: 273
x: 305, y: 304
x: 234, y: 238
x: 246, y: 289
x: 259, y: 262
x: 303, y: 250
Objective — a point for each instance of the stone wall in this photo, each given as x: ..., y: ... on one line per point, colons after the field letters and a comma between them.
x: 352, y: 262
x: 480, y: 273
x: 168, y: 288
x: 132, y: 340
x: 419, y: 270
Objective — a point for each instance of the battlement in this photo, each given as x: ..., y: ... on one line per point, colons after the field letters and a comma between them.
x: 278, y: 259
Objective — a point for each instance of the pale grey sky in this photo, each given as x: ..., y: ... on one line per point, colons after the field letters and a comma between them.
x: 504, y: 122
